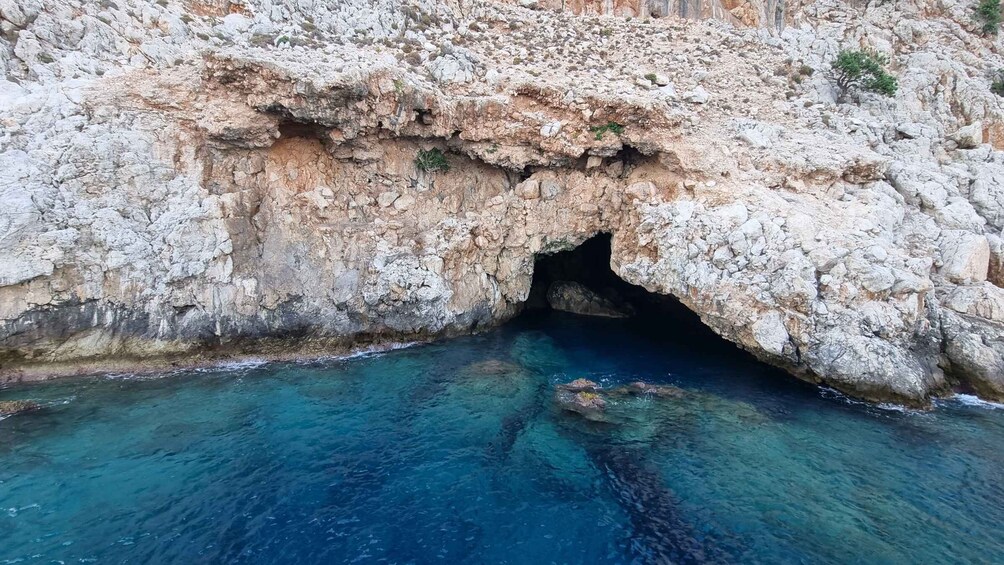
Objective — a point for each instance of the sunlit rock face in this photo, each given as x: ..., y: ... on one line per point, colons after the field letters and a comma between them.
x: 748, y: 13
x: 185, y: 180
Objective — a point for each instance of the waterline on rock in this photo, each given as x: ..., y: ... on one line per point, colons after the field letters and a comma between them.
x: 971, y: 400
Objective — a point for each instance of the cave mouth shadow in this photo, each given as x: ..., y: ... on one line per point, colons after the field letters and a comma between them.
x: 589, y: 265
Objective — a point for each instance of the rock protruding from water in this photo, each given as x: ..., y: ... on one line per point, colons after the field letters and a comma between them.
x: 614, y: 405
x: 581, y: 396
x: 568, y: 296
x: 11, y: 407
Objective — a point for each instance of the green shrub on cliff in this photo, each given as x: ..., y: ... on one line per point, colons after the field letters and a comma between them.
x: 988, y: 13
x: 862, y: 70
x: 431, y: 161
x: 614, y: 127
x: 997, y: 83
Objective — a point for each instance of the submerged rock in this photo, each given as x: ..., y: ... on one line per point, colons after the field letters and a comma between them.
x: 572, y: 297
x: 589, y: 404
x: 11, y: 407
x: 639, y: 388
x: 492, y: 367
x: 660, y: 527
x: 581, y: 396
x: 589, y: 399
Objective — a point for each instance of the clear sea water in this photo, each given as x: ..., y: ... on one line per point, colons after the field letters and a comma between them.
x: 453, y: 452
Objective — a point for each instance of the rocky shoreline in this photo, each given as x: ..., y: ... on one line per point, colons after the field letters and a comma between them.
x: 184, y: 175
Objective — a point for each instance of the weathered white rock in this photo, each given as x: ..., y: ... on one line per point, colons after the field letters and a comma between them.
x: 550, y: 129
x: 970, y: 136
x: 697, y: 96
x: 453, y: 68
x: 966, y: 256
x: 770, y: 333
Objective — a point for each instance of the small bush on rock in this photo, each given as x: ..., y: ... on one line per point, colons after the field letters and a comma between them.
x: 862, y: 70
x: 988, y: 14
x: 614, y: 127
x: 997, y: 83
x: 431, y: 161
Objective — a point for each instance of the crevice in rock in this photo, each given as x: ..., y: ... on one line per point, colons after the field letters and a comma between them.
x: 424, y: 117
x: 523, y: 174
x: 305, y: 130
x: 630, y: 156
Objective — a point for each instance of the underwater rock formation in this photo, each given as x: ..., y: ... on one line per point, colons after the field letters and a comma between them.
x: 661, y: 533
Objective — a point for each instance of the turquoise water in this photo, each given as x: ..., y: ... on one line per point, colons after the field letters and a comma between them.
x: 453, y: 452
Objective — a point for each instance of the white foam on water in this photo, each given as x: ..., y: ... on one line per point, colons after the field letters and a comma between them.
x: 256, y: 362
x: 138, y: 376
x: 833, y: 394
x: 975, y: 401
x: 372, y: 351
x: 895, y: 407
x: 252, y: 363
x: 958, y: 398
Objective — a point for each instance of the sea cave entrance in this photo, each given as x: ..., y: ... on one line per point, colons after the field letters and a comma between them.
x: 647, y: 325
x: 581, y: 281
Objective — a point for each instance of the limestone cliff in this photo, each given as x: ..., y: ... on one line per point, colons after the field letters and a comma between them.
x: 189, y: 179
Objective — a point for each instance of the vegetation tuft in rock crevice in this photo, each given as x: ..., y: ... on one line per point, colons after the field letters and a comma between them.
x: 432, y: 161
x: 988, y: 14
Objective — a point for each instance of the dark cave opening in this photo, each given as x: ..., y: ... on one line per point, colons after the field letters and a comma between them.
x: 655, y: 320
x: 630, y: 156
x: 305, y: 130
x: 588, y: 265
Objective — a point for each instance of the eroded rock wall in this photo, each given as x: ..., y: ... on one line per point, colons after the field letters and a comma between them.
x: 195, y: 179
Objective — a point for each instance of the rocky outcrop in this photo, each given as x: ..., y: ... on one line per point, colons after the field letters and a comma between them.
x: 589, y: 400
x: 582, y: 397
x: 186, y: 180
x: 573, y: 297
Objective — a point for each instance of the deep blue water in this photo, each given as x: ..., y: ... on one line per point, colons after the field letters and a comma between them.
x: 429, y: 454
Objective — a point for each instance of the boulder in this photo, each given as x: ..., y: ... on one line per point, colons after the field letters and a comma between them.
x: 697, y: 96
x: 668, y: 91
x: 572, y: 297
x: 453, y: 68
x: 965, y: 256
x: 550, y: 129
x: 969, y: 137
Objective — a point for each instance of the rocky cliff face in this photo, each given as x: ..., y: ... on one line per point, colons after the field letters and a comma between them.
x: 188, y: 179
